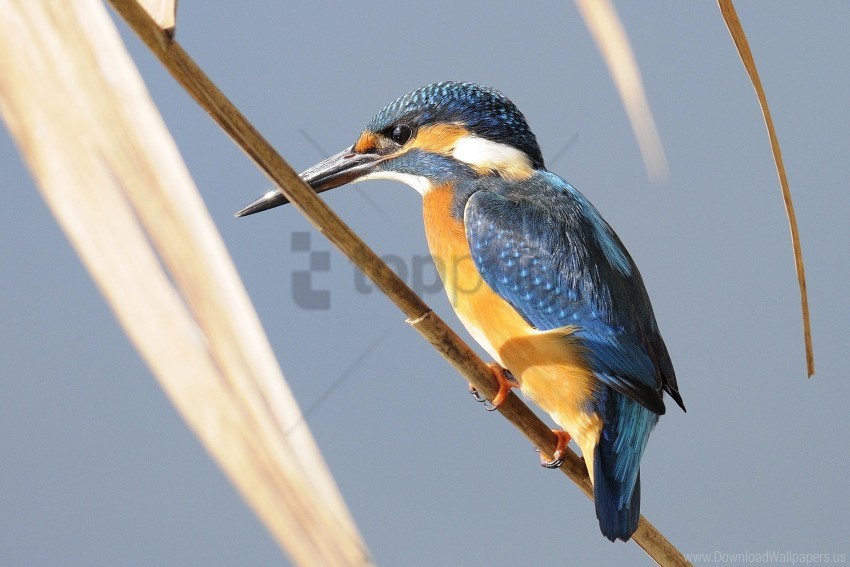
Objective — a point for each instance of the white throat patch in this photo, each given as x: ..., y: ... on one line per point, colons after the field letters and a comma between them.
x: 485, y: 154
x: 421, y: 184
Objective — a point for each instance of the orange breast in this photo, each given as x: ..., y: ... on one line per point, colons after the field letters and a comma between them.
x: 549, y: 366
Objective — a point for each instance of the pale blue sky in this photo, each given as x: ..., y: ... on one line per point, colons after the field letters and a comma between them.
x: 96, y: 468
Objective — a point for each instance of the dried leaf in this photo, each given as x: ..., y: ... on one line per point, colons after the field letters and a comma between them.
x: 743, y: 46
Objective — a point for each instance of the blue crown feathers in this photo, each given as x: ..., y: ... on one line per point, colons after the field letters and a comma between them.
x: 484, y: 111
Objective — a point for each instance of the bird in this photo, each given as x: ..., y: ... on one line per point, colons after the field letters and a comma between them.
x: 535, y: 274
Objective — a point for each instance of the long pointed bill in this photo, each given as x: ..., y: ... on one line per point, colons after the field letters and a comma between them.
x: 337, y: 170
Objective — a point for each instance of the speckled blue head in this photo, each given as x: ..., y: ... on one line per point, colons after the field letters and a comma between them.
x: 484, y: 111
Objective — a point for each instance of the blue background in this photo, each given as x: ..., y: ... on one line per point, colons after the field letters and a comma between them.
x: 96, y: 468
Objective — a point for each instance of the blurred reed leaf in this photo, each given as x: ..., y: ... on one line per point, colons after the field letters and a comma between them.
x: 163, y: 12
x: 112, y: 176
x: 604, y: 25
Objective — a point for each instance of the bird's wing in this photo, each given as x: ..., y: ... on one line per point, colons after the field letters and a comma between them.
x: 545, y: 249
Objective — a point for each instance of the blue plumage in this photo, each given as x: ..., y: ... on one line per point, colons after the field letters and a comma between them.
x: 483, y: 110
x: 545, y: 249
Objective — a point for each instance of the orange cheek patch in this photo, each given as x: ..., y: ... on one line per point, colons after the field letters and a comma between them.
x: 439, y: 138
x: 366, y: 143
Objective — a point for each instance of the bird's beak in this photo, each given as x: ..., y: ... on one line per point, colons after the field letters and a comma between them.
x: 337, y: 170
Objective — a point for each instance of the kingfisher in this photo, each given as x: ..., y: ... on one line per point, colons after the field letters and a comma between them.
x: 533, y: 271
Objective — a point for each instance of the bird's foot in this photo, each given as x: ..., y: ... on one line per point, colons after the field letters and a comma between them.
x: 560, y: 450
x: 506, y: 382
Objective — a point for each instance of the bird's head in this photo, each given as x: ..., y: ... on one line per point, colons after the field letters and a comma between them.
x: 434, y: 134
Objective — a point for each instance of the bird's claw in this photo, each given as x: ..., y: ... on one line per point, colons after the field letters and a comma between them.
x: 478, y: 397
x: 560, y: 453
x: 506, y: 382
x: 488, y: 405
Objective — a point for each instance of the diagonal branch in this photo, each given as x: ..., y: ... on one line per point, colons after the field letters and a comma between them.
x: 727, y: 9
x: 418, y: 314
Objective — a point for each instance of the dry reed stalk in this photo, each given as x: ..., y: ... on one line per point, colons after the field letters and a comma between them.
x: 604, y: 25
x: 418, y: 314
x: 113, y: 178
x: 730, y: 16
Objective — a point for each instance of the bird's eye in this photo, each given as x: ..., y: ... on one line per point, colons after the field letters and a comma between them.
x: 401, y: 134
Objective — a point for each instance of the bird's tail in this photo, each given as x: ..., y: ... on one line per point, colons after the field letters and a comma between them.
x: 616, y: 464
x: 618, y: 519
